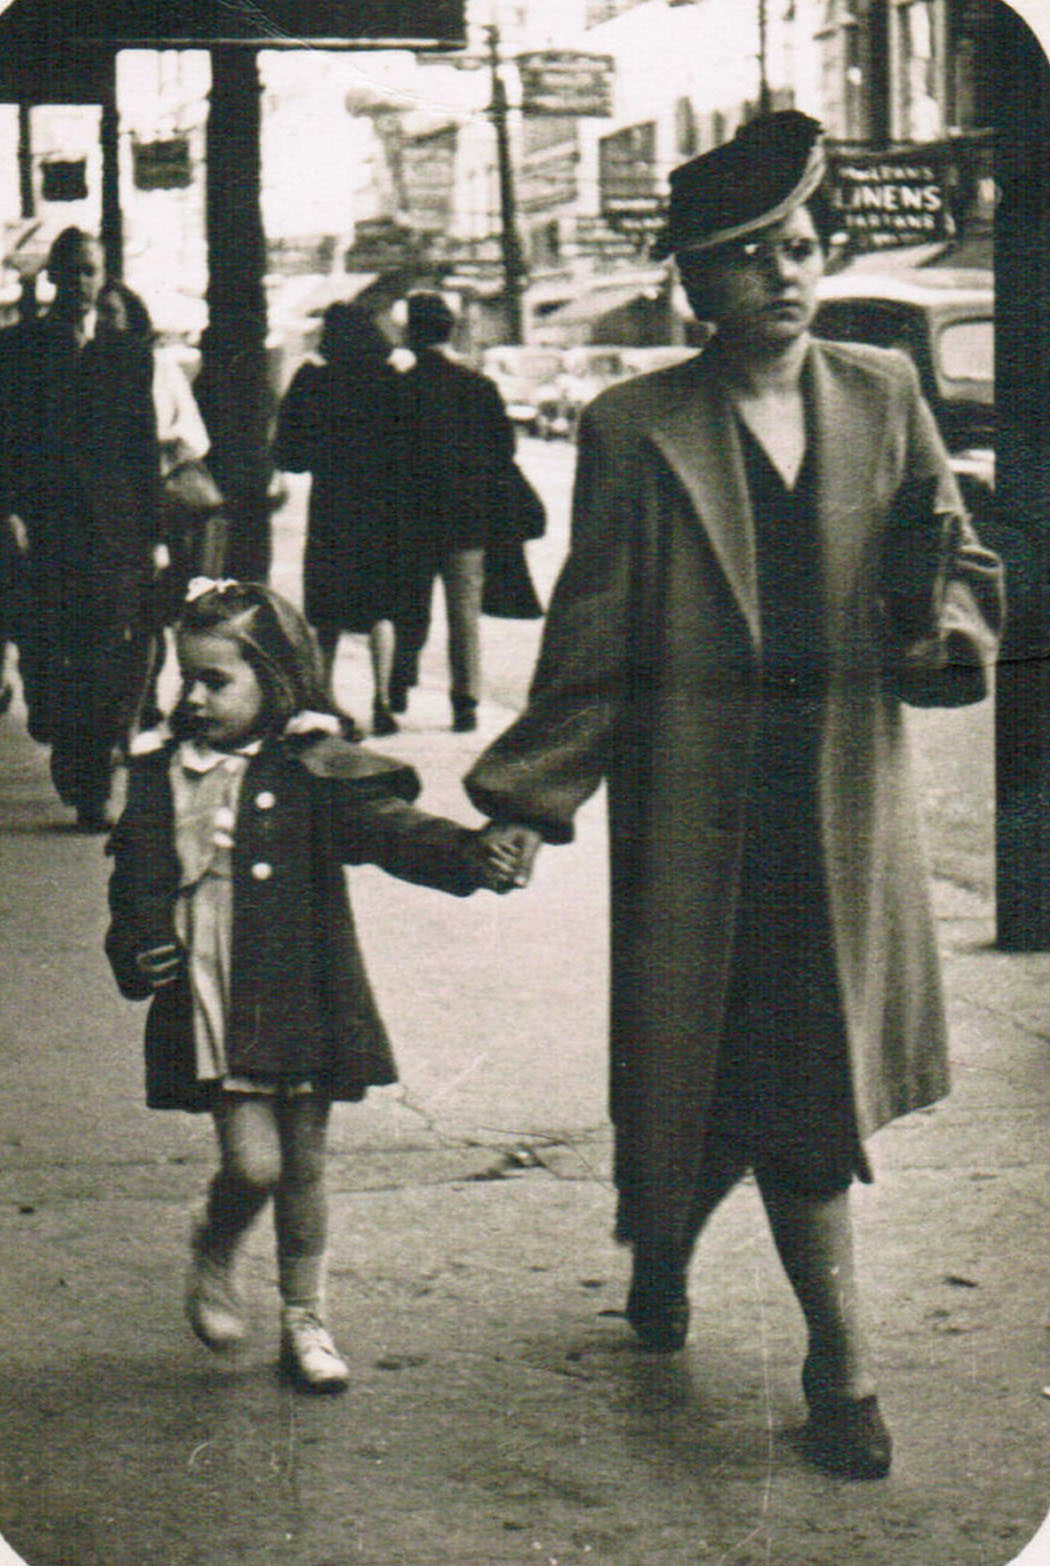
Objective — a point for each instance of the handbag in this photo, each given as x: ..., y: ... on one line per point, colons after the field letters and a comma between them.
x: 189, y: 487
x: 523, y: 515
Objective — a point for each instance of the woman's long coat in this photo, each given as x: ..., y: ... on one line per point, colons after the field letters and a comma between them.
x: 341, y: 423
x: 300, y: 999
x: 650, y: 678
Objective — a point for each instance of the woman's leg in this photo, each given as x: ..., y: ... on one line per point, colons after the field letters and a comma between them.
x: 300, y: 1211
x: 814, y: 1236
x: 382, y: 642
x: 658, y: 1305
x: 328, y: 642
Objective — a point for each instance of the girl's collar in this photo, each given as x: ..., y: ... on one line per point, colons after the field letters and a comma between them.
x: 301, y: 724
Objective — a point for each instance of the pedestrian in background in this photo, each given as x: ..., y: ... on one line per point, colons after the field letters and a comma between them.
x: 769, y: 553
x: 229, y: 909
x: 79, y: 492
x: 192, y: 521
x: 339, y: 421
x: 452, y: 483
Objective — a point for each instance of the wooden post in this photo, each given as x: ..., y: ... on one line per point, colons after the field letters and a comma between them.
x: 26, y: 193
x: 112, y: 226
x: 233, y: 387
x: 510, y: 244
x: 1022, y: 265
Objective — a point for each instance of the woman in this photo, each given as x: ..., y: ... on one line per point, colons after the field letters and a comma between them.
x: 339, y: 421
x: 769, y: 553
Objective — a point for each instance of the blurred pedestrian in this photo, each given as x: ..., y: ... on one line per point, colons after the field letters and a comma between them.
x: 338, y: 421
x: 769, y: 553
x: 229, y: 909
x: 192, y: 522
x: 79, y: 488
x: 458, y: 450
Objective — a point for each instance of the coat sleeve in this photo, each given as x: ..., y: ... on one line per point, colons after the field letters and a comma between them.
x: 141, y: 886
x: 542, y: 769
x: 942, y: 588
x: 298, y: 435
x: 410, y: 844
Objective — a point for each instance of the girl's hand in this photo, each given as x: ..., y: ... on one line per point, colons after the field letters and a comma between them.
x: 159, y: 964
x: 508, y: 853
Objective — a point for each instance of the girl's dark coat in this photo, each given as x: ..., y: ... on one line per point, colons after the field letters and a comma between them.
x: 650, y: 678
x: 301, y: 1002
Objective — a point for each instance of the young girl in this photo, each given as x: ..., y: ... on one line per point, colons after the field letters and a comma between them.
x: 229, y: 908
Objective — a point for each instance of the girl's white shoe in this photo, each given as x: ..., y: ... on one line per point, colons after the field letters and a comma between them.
x: 212, y: 1305
x: 308, y: 1355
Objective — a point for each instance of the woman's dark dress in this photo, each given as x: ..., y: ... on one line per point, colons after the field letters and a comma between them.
x: 782, y: 1090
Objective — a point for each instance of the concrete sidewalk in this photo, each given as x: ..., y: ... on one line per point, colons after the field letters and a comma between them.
x: 499, y: 1413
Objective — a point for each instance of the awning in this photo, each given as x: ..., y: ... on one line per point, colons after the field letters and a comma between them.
x: 598, y: 303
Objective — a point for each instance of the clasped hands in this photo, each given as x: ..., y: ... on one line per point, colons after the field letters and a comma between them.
x: 506, y: 854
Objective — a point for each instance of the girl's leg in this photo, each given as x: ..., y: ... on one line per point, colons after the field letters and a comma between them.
x: 300, y: 1206
x: 814, y: 1238
x: 250, y: 1168
x: 300, y: 1213
x: 250, y: 1165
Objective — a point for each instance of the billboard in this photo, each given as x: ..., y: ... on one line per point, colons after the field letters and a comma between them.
x: 561, y: 81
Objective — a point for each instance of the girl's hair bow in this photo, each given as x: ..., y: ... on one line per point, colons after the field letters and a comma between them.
x: 199, y: 585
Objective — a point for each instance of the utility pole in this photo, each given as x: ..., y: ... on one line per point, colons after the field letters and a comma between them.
x: 510, y: 245
x: 764, y: 101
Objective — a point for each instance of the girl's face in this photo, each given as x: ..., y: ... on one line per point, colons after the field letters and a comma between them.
x: 221, y: 695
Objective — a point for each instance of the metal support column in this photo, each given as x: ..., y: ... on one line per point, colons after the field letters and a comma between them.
x: 1022, y: 264
x: 233, y: 387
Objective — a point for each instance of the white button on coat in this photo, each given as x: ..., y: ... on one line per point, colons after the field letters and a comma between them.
x: 261, y: 871
x: 265, y: 800
x: 224, y: 818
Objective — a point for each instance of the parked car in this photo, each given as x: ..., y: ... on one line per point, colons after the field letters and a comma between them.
x: 944, y: 319
x: 525, y: 378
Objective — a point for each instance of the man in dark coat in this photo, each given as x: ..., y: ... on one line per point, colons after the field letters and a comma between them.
x: 457, y: 448
x: 79, y: 484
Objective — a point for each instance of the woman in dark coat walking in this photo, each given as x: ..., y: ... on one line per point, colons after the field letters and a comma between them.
x: 339, y: 421
x: 769, y: 554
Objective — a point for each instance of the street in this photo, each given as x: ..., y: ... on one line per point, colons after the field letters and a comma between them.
x: 498, y: 1412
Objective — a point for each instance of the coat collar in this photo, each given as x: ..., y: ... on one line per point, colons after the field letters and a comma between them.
x: 696, y: 433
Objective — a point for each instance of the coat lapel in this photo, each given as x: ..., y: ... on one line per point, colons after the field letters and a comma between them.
x: 697, y: 436
x: 847, y: 433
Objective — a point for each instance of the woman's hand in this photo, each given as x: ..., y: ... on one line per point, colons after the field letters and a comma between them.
x: 509, y: 852
x: 159, y: 965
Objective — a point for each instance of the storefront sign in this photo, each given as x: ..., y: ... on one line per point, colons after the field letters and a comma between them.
x: 563, y: 82
x: 895, y: 198
x: 64, y: 179
x: 428, y: 166
x: 163, y: 164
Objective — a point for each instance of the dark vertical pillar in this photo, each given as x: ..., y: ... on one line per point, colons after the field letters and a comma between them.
x: 1022, y: 265
x: 510, y: 244
x: 233, y: 386
x: 112, y: 230
x: 26, y: 193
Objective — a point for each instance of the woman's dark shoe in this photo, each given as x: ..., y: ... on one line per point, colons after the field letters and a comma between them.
x: 398, y: 696
x: 464, y: 714
x: 658, y: 1310
x: 845, y: 1435
x: 383, y: 720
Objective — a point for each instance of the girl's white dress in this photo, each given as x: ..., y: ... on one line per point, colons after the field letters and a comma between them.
x: 205, y: 790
